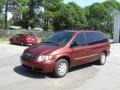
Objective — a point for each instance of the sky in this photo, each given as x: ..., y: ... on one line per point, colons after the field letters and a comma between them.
x: 84, y: 3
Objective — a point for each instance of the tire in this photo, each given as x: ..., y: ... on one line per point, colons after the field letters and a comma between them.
x: 61, y: 68
x: 22, y: 44
x: 11, y: 42
x: 102, y: 59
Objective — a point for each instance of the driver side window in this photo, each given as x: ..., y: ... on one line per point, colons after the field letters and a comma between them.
x: 79, y: 40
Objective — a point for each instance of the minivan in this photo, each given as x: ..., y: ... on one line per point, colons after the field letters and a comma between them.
x: 65, y: 49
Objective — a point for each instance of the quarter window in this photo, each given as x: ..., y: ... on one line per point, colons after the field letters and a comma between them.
x: 95, y: 38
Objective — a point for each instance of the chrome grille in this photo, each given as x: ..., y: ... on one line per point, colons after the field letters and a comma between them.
x: 28, y: 57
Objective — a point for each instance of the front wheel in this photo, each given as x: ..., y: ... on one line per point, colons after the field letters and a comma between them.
x: 22, y: 44
x: 61, y: 68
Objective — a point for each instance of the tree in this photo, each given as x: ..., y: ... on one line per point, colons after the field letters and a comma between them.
x: 97, y: 15
x: 110, y: 5
x: 21, y: 15
x: 51, y: 10
x: 58, y: 15
x: 1, y: 20
x: 5, y: 3
x: 100, y: 15
x: 71, y: 17
x: 7, y: 6
x: 24, y: 14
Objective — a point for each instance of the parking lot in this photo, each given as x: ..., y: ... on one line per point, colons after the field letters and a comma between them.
x: 86, y: 77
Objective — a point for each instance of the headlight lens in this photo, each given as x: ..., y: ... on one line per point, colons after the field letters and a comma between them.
x: 44, y: 58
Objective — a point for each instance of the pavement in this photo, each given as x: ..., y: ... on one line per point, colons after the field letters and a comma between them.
x: 85, y: 77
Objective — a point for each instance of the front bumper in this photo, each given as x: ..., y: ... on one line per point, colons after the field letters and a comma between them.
x: 44, y: 66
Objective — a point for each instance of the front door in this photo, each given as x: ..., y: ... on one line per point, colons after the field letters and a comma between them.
x: 18, y: 39
x: 80, y: 51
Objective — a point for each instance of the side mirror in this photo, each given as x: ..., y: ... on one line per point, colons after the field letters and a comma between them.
x: 74, y: 44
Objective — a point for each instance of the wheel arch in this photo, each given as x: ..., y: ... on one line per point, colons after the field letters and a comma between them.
x: 66, y: 58
x: 105, y: 52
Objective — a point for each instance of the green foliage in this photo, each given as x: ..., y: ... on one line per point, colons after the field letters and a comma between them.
x: 71, y: 17
x: 51, y: 8
x: 100, y: 16
x: 58, y: 16
x: 1, y: 20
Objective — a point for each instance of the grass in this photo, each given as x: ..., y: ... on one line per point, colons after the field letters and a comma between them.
x: 4, y: 40
x: 6, y: 34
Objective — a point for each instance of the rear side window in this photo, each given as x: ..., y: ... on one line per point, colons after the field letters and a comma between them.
x: 95, y: 38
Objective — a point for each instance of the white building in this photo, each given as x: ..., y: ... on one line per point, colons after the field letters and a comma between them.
x: 116, y: 34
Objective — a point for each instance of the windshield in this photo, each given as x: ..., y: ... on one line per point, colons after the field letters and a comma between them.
x: 59, y: 38
x: 18, y: 35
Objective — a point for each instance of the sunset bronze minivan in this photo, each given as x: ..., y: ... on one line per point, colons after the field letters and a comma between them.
x: 65, y: 49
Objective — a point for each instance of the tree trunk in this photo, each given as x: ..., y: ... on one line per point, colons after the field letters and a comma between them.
x: 6, y: 10
x: 46, y: 23
x: 45, y: 17
x: 32, y: 13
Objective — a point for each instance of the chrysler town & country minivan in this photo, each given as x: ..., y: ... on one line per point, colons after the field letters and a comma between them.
x: 65, y: 49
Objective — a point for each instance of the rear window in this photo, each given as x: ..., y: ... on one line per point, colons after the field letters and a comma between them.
x: 95, y: 38
x: 30, y: 35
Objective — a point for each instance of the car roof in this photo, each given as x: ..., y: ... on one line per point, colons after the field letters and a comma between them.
x: 25, y: 34
x: 79, y: 31
x: 19, y: 34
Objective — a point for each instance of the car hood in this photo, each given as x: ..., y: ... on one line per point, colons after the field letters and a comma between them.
x: 41, y: 49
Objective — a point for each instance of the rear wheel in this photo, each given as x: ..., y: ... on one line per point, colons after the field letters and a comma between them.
x: 102, y: 59
x: 61, y: 68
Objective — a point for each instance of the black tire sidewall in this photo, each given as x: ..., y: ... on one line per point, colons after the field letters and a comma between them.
x: 22, y: 43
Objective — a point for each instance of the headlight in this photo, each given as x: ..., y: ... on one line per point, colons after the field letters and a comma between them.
x: 44, y: 58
